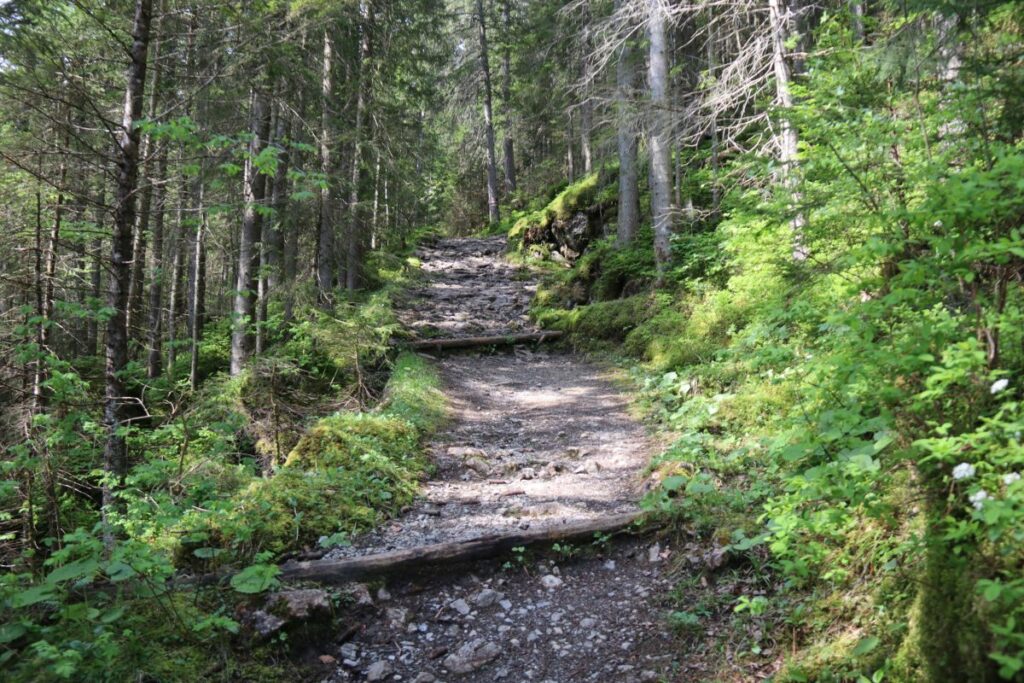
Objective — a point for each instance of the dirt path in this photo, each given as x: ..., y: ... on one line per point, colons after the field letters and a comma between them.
x: 537, y: 439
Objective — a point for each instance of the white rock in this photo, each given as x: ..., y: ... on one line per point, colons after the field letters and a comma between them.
x: 550, y: 581
x: 654, y: 553
x: 349, y: 651
x: 460, y: 606
x: 378, y: 671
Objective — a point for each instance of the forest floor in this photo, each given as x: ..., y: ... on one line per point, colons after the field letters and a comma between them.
x: 536, y: 439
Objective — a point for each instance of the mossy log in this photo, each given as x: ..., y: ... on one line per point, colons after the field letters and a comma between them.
x: 495, y: 340
x: 413, y: 559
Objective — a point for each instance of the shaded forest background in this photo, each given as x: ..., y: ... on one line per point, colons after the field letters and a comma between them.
x: 798, y: 223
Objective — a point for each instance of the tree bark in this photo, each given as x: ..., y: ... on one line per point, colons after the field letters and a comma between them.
x: 136, y: 284
x: 197, y: 290
x: 629, y: 193
x: 325, y: 240
x: 253, y: 191
x: 273, y: 245
x: 156, y: 274
x: 787, y: 139
x: 857, y: 20
x: 570, y: 156
x: 658, y: 135
x: 356, y: 239
x: 92, y: 335
x: 493, y: 214
x: 175, y: 277
x: 506, y: 100
x: 587, y: 104
x: 376, y: 204
x: 115, y: 455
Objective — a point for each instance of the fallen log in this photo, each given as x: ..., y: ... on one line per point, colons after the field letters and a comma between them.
x: 441, y: 344
x: 411, y: 559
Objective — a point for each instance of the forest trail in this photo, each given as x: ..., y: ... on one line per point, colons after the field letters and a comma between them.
x: 537, y: 439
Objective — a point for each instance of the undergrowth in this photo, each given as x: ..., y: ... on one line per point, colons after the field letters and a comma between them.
x: 848, y: 449
x: 320, y: 437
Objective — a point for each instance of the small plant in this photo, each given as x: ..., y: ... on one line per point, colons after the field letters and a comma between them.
x: 566, y: 550
x: 518, y: 559
x: 756, y: 605
x: 602, y: 541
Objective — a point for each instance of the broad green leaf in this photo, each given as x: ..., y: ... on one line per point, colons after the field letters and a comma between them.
x: 256, y: 578
x: 866, y: 645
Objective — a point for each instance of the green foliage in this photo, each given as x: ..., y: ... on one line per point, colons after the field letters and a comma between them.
x: 256, y: 578
x: 865, y: 402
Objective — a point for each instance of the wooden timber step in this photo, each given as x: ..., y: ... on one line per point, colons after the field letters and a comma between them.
x: 412, y: 559
x: 442, y: 344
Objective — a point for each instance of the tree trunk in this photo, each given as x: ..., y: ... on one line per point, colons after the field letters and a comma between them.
x: 787, y: 139
x: 136, y: 284
x: 629, y: 193
x: 46, y: 273
x: 354, y: 261
x: 506, y: 100
x: 115, y: 455
x: 376, y: 204
x: 253, y: 190
x: 156, y: 275
x: 857, y: 20
x: 197, y: 290
x: 44, y: 293
x: 658, y: 134
x: 492, y: 171
x: 325, y: 241
x: 174, y: 279
x: 716, y: 193
x: 265, y: 244
x: 95, y: 289
x: 587, y: 104
x: 273, y: 245
x: 570, y: 157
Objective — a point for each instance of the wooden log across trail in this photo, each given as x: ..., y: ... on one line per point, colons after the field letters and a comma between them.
x: 411, y: 559
x: 495, y: 340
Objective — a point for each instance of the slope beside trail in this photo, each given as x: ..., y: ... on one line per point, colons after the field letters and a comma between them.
x: 537, y: 439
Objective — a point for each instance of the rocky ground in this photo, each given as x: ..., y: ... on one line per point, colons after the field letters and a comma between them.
x: 537, y: 438
x: 471, y: 291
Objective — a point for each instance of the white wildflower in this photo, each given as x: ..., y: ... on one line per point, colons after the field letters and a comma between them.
x: 978, y: 498
x: 964, y: 470
x: 999, y: 385
x: 1011, y: 478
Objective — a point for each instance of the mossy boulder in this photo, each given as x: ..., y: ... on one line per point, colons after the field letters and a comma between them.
x: 573, y: 220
